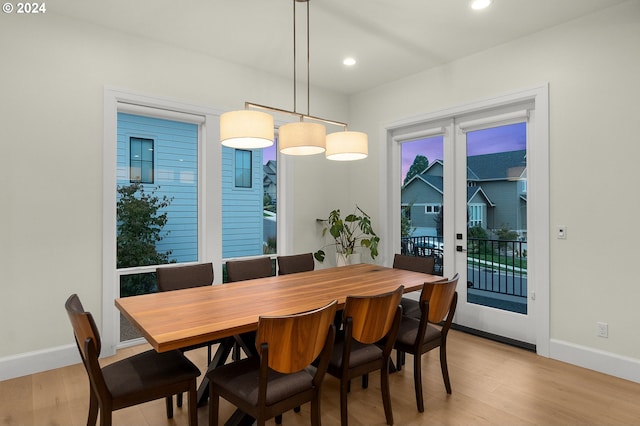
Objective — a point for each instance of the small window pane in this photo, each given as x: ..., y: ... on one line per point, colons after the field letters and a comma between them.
x: 243, y: 169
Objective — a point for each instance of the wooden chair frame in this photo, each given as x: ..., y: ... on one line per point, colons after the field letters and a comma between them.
x: 286, y: 346
x: 438, y: 303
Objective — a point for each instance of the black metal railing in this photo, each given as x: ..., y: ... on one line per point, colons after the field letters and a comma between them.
x: 495, y: 266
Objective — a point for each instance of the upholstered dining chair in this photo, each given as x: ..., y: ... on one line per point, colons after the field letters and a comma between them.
x: 242, y: 270
x: 278, y: 379
x: 135, y: 380
x: 426, y: 265
x: 370, y: 326
x: 186, y: 276
x: 250, y: 269
x: 295, y: 263
x: 438, y: 302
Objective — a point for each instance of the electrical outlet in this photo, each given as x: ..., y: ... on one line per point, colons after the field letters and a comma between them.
x: 603, y: 329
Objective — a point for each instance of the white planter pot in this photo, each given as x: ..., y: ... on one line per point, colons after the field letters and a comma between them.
x: 352, y: 259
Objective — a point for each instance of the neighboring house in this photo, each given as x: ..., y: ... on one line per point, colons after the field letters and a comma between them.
x: 162, y: 155
x: 269, y: 180
x: 496, y: 193
x: 242, y: 203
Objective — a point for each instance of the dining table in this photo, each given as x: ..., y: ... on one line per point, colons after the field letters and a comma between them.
x: 183, y: 318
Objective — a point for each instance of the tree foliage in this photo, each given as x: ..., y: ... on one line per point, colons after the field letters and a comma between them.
x: 140, y: 227
x: 420, y: 163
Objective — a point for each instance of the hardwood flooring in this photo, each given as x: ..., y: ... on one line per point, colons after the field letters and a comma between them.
x: 493, y: 384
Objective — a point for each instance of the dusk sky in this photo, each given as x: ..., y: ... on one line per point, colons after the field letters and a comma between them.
x: 487, y: 141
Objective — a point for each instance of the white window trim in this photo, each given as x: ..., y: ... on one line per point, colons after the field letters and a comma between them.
x: 120, y: 100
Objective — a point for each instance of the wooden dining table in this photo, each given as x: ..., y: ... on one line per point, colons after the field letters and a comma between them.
x: 182, y: 318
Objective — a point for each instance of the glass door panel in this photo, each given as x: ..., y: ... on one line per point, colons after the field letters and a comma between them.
x: 422, y: 198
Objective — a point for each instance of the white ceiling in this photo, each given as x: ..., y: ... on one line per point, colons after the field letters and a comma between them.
x: 390, y: 39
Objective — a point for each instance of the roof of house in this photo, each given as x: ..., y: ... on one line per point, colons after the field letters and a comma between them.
x: 497, y: 166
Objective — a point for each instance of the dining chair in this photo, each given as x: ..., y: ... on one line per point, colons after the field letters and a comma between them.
x: 171, y: 278
x: 250, y: 269
x: 278, y: 379
x: 295, y: 263
x: 438, y: 302
x: 131, y: 381
x: 426, y: 265
x: 242, y: 270
x: 370, y: 325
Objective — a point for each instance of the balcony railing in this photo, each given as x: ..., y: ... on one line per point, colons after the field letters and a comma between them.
x: 496, y: 269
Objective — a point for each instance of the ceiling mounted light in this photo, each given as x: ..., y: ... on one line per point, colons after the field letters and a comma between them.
x: 480, y: 4
x: 248, y: 128
x: 349, y: 61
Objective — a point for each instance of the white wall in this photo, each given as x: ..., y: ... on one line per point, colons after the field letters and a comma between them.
x: 53, y: 72
x: 592, y: 67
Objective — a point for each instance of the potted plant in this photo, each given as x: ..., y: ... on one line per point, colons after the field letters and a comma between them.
x: 348, y: 233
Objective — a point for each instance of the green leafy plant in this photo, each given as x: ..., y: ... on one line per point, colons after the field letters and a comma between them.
x: 348, y: 233
x: 140, y: 227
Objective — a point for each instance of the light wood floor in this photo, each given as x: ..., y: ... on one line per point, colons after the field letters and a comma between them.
x: 493, y: 384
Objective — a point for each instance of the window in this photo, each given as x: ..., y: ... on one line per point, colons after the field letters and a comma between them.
x: 140, y: 160
x: 432, y: 208
x: 243, y: 168
x: 476, y: 215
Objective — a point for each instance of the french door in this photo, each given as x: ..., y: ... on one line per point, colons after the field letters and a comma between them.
x: 490, y: 198
x: 482, y: 205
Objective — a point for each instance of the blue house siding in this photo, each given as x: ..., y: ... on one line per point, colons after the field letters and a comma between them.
x: 175, y: 175
x: 242, y: 227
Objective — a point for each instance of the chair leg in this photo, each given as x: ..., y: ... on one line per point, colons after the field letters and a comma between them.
x: 386, y: 394
x: 444, y: 368
x: 315, y: 410
x: 192, y: 401
x: 296, y: 409
x: 105, y: 417
x: 344, y: 385
x: 279, y: 419
x: 214, y: 404
x: 169, y: 404
x: 417, y: 381
x: 399, y: 356
x: 93, y: 409
x: 179, y: 400
x: 365, y: 381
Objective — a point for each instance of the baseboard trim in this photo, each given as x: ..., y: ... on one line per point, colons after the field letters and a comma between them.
x: 604, y: 362
x: 594, y: 359
x: 38, y: 361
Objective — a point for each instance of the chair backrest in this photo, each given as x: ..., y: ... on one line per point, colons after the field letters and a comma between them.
x: 295, y: 263
x: 422, y: 264
x: 372, y: 316
x: 295, y: 340
x: 84, y: 327
x: 88, y: 342
x: 241, y: 270
x: 439, y: 294
x: 187, y: 276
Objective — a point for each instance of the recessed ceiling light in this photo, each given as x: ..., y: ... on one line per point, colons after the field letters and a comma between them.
x: 349, y: 62
x: 480, y: 4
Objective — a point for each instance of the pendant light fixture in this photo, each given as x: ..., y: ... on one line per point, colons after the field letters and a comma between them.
x: 251, y: 129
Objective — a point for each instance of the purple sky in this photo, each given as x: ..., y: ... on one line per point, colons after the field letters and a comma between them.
x: 487, y: 141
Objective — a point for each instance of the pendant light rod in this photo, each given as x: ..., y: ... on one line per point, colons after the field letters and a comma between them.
x: 248, y: 105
